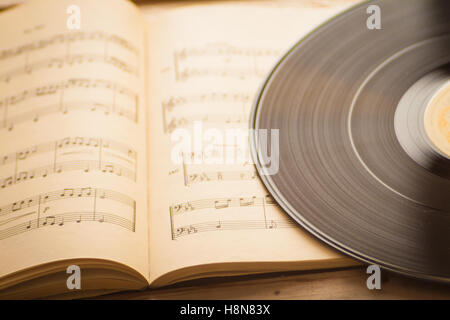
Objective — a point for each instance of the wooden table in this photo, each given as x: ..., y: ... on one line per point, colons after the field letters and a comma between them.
x: 330, y: 284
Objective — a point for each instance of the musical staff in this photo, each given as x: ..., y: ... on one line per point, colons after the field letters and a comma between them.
x: 229, y: 61
x: 219, y: 153
x: 239, y: 73
x: 66, y: 97
x: 69, y: 154
x: 216, y: 214
x: 173, y: 102
x: 221, y: 203
x: 195, y: 106
x: 54, y: 88
x: 65, y: 60
x: 224, y: 50
x: 68, y: 37
x: 65, y: 218
x: 216, y: 68
x: 195, y: 174
x: 67, y: 50
x: 230, y: 225
x: 50, y: 209
x: 194, y: 101
x: 183, y: 121
x: 208, y: 176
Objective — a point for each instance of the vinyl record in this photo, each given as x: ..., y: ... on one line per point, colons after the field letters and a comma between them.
x: 358, y: 165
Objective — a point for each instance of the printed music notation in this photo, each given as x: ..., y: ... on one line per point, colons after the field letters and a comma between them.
x: 66, y: 50
x: 221, y: 203
x: 229, y: 61
x: 180, y: 122
x: 240, y: 73
x: 68, y: 37
x: 201, y: 175
x: 223, y: 214
x: 204, y: 176
x: 223, y: 50
x: 66, y: 60
x: 194, y: 174
x: 57, y: 87
x: 223, y: 151
x: 214, y: 97
x: 69, y: 205
x: 64, y: 96
x: 69, y: 154
x: 201, y: 102
x: 230, y: 225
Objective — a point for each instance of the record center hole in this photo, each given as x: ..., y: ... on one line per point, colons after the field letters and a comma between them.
x: 437, y: 120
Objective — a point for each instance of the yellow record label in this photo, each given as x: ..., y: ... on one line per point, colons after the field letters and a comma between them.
x: 437, y: 120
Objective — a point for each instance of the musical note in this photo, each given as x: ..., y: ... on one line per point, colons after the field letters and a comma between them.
x: 272, y: 224
x: 7, y: 181
x: 22, y: 176
x: 219, y: 208
x: 247, y: 201
x: 220, y: 204
x: 96, y: 54
x: 129, y: 110
x: 172, y: 102
x: 222, y: 225
x: 85, y: 192
x: 185, y: 120
x: 185, y: 231
x: 109, y: 168
x: 17, y: 205
x: 50, y: 220
x: 120, y: 159
x: 69, y: 37
x: 68, y: 192
x: 11, y: 216
x: 236, y: 175
x: 3, y: 222
x: 185, y: 207
x: 61, y: 61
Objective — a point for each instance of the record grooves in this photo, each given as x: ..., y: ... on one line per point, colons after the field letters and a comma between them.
x: 360, y: 167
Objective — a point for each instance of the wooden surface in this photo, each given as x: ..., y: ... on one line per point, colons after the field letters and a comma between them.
x: 337, y: 284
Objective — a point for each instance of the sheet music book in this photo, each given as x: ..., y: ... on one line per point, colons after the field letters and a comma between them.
x: 89, y: 120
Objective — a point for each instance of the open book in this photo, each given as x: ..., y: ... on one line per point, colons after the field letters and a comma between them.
x: 94, y: 100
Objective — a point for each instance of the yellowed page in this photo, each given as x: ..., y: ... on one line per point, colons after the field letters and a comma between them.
x: 206, y: 64
x: 73, y: 174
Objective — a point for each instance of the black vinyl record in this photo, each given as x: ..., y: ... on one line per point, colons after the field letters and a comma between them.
x: 356, y: 168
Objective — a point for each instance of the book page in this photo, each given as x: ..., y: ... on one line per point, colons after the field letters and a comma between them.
x: 72, y: 129
x: 207, y: 204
